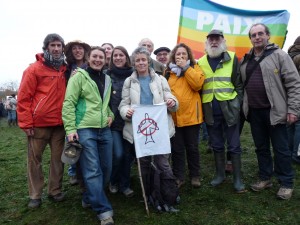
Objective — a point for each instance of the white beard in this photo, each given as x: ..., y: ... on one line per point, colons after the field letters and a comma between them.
x: 215, y: 52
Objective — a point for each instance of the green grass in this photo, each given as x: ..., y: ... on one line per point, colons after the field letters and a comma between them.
x: 206, y: 205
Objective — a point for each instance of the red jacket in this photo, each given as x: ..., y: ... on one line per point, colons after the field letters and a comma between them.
x: 41, y: 95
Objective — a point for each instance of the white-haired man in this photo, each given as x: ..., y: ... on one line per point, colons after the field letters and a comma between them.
x: 222, y: 95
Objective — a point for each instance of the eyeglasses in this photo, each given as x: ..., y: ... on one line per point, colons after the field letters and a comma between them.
x: 260, y: 34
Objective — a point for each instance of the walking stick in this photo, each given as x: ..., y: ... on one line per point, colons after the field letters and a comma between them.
x: 142, y: 185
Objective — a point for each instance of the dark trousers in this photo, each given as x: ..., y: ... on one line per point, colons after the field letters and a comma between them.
x: 263, y: 132
x: 219, y: 132
x: 185, y: 143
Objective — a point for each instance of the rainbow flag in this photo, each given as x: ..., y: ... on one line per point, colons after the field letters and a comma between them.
x: 199, y: 17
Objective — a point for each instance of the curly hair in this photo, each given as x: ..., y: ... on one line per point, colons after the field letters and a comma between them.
x: 189, y: 51
x: 70, y: 57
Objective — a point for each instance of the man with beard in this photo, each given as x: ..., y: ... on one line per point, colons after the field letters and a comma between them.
x: 40, y: 101
x: 222, y: 95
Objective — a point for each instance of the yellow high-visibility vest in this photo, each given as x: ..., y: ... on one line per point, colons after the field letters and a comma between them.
x: 217, y: 84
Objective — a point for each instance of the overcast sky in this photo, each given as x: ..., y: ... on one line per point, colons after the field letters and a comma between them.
x: 24, y: 25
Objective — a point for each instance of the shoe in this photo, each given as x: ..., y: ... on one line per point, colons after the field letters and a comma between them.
x: 34, y: 203
x: 57, y: 198
x: 85, y: 205
x: 113, y: 188
x: 73, y: 180
x: 284, y: 193
x: 195, y: 182
x: 107, y: 221
x: 128, y: 193
x: 180, y: 183
x: 261, y: 185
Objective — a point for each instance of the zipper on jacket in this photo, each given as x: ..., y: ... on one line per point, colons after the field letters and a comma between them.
x: 38, y: 105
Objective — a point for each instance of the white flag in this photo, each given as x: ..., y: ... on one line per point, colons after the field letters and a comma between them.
x: 150, y: 130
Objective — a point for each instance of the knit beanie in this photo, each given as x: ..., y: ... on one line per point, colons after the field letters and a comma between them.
x: 52, y: 37
x: 297, y: 41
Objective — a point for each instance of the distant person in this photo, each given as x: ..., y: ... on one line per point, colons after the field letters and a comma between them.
x: 87, y: 118
x: 222, y: 95
x: 123, y: 152
x: 271, y: 100
x: 157, y: 66
x: 294, y: 129
x: 186, y: 78
x: 108, y: 47
x: 76, y: 56
x: 11, y: 107
x: 40, y: 100
x: 162, y: 55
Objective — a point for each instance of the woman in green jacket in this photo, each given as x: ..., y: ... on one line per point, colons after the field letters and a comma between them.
x: 87, y: 119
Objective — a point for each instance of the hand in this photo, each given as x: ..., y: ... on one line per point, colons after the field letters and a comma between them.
x: 129, y: 113
x: 29, y: 132
x: 109, y: 121
x: 291, y: 118
x: 171, y: 103
x: 181, y: 62
x: 72, y: 137
x: 73, y: 72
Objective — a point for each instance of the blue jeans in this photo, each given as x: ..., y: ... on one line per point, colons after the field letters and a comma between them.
x: 294, y: 139
x: 96, y: 163
x: 122, y: 160
x: 11, y: 115
x: 262, y: 132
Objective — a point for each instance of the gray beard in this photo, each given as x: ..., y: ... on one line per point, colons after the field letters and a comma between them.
x: 215, y: 52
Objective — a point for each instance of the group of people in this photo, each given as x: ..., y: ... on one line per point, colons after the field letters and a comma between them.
x: 90, y: 100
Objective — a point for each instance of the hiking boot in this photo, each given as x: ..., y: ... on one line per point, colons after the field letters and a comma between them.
x: 107, y: 221
x: 180, y: 183
x: 261, y: 185
x: 34, y: 203
x: 284, y: 193
x: 128, y: 193
x: 195, y: 182
x: 73, y: 180
x: 57, y: 198
x: 113, y: 188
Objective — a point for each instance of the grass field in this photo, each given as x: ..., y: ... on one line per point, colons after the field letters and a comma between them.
x: 206, y: 205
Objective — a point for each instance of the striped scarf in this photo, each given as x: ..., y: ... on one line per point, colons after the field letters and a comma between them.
x: 52, y: 62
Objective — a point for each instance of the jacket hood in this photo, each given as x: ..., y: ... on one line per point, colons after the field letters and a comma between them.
x: 294, y: 48
x: 40, y: 57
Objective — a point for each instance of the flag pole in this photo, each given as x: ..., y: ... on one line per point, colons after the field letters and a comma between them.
x: 142, y: 186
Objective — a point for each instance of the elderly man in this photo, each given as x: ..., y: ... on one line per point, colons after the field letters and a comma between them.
x: 157, y: 66
x: 162, y: 55
x: 271, y: 100
x: 221, y: 98
x: 40, y: 100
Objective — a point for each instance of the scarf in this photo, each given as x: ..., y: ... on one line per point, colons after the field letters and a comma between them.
x: 176, y: 69
x: 121, y: 71
x: 50, y: 61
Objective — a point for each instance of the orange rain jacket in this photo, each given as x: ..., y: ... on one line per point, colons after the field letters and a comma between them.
x: 41, y: 95
x: 186, y: 89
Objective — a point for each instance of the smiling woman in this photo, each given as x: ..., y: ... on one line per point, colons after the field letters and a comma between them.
x: 87, y: 118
